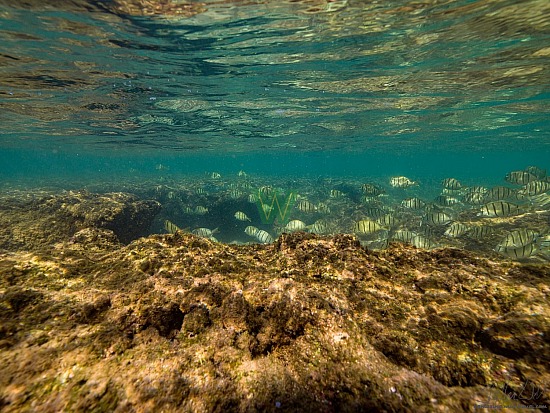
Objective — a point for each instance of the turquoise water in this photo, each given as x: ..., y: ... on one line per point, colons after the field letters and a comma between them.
x: 400, y: 83
x: 112, y: 92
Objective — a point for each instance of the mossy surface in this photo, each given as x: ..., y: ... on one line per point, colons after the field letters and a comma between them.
x: 179, y: 323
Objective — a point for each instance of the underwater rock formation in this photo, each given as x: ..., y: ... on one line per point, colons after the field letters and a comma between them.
x: 309, y: 323
x: 40, y: 220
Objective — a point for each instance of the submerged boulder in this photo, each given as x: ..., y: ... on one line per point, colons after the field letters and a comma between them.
x: 35, y: 222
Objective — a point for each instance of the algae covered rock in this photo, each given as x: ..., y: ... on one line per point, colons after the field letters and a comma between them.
x: 179, y: 323
x: 30, y: 223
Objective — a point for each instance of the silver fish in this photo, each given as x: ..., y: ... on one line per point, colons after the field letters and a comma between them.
x: 388, y: 220
x: 535, y: 170
x: 420, y: 241
x: 335, y: 193
x: 475, y: 198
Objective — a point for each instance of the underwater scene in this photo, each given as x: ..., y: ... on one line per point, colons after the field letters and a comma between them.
x: 260, y: 205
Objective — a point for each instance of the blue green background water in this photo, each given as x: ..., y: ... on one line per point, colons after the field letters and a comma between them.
x: 427, y: 90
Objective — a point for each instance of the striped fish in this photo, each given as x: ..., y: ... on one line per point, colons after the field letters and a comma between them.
x: 263, y: 237
x: 294, y: 225
x: 518, y: 238
x: 305, y: 206
x: 323, y: 208
x: 520, y: 177
x: 538, y: 172
x: 401, y: 182
x: 403, y: 235
x: 335, y: 193
x: 451, y: 183
x: 499, y: 193
x: 318, y: 227
x: 518, y: 253
x: 420, y: 241
x: 171, y: 227
x: 388, y: 220
x: 535, y: 188
x: 413, y: 203
x: 480, y: 231
x: 475, y: 198
x: 437, y: 218
x: 499, y: 209
x: 456, y: 229
x: 204, y: 232
x: 446, y: 200
x: 477, y: 189
x: 366, y: 226
x: 200, y: 210
x: 371, y: 200
x: 235, y: 193
x: 542, y: 200
x: 241, y: 216
x: 371, y: 190
x: 375, y: 212
x: 251, y: 231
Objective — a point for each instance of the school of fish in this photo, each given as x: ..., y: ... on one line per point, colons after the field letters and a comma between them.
x: 511, y: 219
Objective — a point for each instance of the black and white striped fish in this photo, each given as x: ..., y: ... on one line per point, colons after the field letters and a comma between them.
x: 451, y: 183
x: 520, y: 177
x: 535, y: 188
x: 437, y: 218
x: 518, y: 253
x: 518, y: 238
x: 499, y: 209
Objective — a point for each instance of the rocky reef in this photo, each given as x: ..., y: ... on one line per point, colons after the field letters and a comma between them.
x: 93, y: 318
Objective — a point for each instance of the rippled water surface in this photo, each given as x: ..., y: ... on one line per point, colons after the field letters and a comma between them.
x: 293, y: 76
